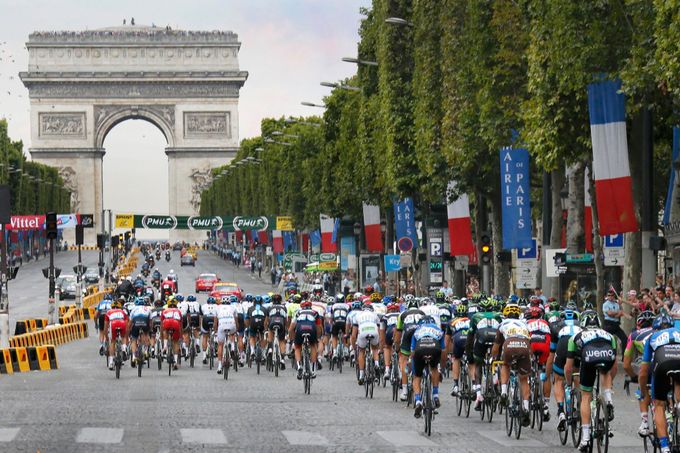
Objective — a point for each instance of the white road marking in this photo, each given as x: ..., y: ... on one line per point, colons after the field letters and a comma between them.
x: 8, y: 434
x: 500, y: 437
x: 304, y: 438
x: 406, y: 439
x: 203, y: 436
x: 100, y: 436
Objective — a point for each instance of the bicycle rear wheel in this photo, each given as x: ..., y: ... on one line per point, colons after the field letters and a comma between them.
x: 575, y: 420
x: 508, y: 414
x: 539, y: 403
x: 277, y: 361
x: 140, y: 361
x: 602, y: 431
x: 192, y: 353
x: 517, y: 411
x: 258, y: 358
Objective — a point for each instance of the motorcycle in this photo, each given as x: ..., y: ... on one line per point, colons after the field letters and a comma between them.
x: 156, y: 283
x: 166, y: 292
x: 150, y: 261
x: 167, y: 256
x: 158, y: 255
x: 145, y: 272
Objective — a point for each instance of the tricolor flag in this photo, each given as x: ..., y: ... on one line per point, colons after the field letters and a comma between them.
x: 328, y: 244
x: 460, y: 227
x: 277, y: 241
x: 262, y: 237
x: 611, y: 171
x: 372, y: 228
x: 587, y: 212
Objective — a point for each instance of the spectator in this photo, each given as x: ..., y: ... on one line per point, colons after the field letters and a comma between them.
x: 376, y: 286
x: 612, y: 318
x: 259, y: 268
x: 538, y: 292
x: 347, y: 284
x: 272, y: 273
x: 675, y: 309
x: 446, y: 290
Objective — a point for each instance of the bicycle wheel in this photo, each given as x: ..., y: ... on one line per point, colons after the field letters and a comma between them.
x: 575, y: 420
x: 171, y: 356
x: 539, y: 404
x: 508, y: 414
x: 277, y: 361
x: 226, y: 364
x: 118, y: 361
x: 517, y: 411
x: 341, y: 357
x: 564, y: 434
x: 192, y: 354
x: 489, y: 398
x: 140, y: 361
x: 159, y: 355
x: 257, y: 357
x: 602, y: 426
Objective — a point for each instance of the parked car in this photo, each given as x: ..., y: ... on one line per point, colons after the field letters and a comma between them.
x: 187, y: 260
x: 66, y: 287
x: 206, y: 282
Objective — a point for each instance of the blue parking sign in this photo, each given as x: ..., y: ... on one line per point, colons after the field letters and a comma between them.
x: 613, y: 241
x: 528, y: 252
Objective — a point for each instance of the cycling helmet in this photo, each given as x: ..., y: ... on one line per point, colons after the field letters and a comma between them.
x: 139, y: 301
x: 330, y: 300
x: 663, y: 321
x: 158, y: 303
x: 512, y: 311
x: 211, y: 300
x: 172, y: 303
x: 304, y: 294
x: 513, y: 299
x: 266, y: 299
x: 413, y: 303
x: 535, y: 301
x: 587, y: 306
x: 116, y: 304
x: 645, y: 319
x: 439, y: 296
x: 368, y: 306
x: 306, y: 304
x: 393, y: 306
x: 461, y: 310
x: 554, y: 304
x: 356, y: 305
x: 277, y: 299
x: 571, y: 305
x: 534, y: 313
x: 486, y: 305
x: 179, y: 298
x: 375, y: 297
x: 569, y: 315
x: 191, y: 298
x: 368, y: 289
x: 258, y: 299
x: 233, y: 299
x: 387, y: 300
x: 358, y: 295
x: 249, y: 297
x: 522, y: 302
x: 425, y: 301
x: 426, y: 320
x: 589, y: 318
x: 297, y: 298
x: 339, y: 298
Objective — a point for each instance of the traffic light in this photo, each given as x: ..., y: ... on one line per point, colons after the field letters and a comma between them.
x: 127, y: 236
x: 485, y: 239
x: 120, y: 240
x: 51, y: 225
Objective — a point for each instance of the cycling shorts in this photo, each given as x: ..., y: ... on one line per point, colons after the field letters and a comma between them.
x: 207, y: 323
x: 363, y: 339
x: 459, y: 340
x: 256, y: 326
x: 224, y: 329
x: 175, y: 326
x: 100, y: 321
x: 137, y: 329
x: 517, y: 350
x: 389, y: 336
x: 114, y: 326
x: 282, y: 330
x: 303, y: 329
x: 540, y: 347
x: 406, y: 336
x: 594, y: 355
x: 561, y: 355
x: 426, y: 347
x: 338, y: 327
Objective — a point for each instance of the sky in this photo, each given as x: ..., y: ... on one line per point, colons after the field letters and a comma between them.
x: 287, y: 46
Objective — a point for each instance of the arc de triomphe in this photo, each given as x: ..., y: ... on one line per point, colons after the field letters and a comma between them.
x: 186, y: 83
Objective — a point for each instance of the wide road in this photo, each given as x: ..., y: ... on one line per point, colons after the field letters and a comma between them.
x: 82, y: 407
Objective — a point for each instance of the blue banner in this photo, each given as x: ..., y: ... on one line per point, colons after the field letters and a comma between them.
x: 347, y: 249
x: 515, y: 195
x: 671, y: 179
x: 392, y: 263
x: 405, y: 223
x: 315, y: 238
x: 289, y: 242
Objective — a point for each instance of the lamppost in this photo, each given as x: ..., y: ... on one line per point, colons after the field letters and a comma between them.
x: 359, y: 61
x: 339, y: 85
x: 311, y: 104
x: 383, y: 229
x: 398, y: 21
x: 357, y: 237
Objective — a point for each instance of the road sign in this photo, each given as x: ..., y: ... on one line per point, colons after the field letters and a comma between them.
x: 405, y: 244
x: 613, y: 241
x: 550, y: 268
x: 526, y: 273
x: 461, y: 263
x: 580, y: 258
x: 405, y: 260
x: 614, y: 251
x: 528, y: 252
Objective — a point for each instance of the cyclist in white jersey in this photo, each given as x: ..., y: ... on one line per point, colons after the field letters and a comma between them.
x: 366, y: 330
x: 208, y: 312
x: 227, y: 325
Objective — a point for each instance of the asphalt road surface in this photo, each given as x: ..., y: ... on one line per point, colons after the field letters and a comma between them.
x: 82, y: 407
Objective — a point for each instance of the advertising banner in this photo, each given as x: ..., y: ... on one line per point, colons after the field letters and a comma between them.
x: 284, y: 223
x: 405, y: 222
x: 125, y: 221
x: 515, y: 207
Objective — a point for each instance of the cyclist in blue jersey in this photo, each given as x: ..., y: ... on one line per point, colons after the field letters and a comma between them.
x: 427, y: 341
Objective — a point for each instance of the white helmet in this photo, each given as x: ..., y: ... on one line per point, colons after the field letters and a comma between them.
x: 358, y: 296
x: 128, y: 278
x: 317, y: 282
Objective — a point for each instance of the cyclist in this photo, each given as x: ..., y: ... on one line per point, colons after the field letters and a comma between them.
x: 116, y: 319
x: 460, y: 326
x: 277, y: 316
x: 155, y: 322
x: 208, y: 312
x: 191, y: 320
x: 552, y: 316
x: 661, y: 355
x: 570, y: 327
x: 339, y: 312
x: 349, y: 326
x: 632, y: 360
x: 319, y: 305
x: 540, y: 348
x: 406, y: 326
x: 388, y: 324
x: 256, y: 319
x: 306, y: 321
x: 138, y: 326
x: 226, y: 318
x: 593, y: 346
x: 366, y: 325
x: 99, y: 317
x: 483, y: 326
x: 171, y: 319
x: 242, y: 308
x: 513, y: 338
x: 427, y: 341
x: 428, y: 307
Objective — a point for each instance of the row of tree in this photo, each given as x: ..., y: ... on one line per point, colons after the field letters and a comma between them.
x: 35, y: 188
x: 460, y: 80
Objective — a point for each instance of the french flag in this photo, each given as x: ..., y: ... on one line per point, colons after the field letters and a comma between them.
x: 262, y: 237
x: 372, y: 227
x: 587, y: 212
x: 460, y: 227
x: 328, y: 244
x: 277, y: 241
x: 611, y: 171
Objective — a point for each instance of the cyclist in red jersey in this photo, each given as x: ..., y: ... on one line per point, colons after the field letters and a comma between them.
x: 171, y: 320
x: 115, y: 321
x: 540, y: 347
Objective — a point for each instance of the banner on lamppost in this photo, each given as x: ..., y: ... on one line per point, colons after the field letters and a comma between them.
x: 392, y: 263
x: 405, y: 223
x: 347, y: 253
x: 515, y: 207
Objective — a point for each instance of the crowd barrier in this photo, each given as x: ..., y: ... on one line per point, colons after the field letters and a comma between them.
x: 83, y: 247
x: 21, y: 359
x: 70, y: 314
x: 29, y: 325
x: 51, y: 335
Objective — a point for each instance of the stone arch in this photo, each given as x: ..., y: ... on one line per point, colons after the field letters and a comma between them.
x: 107, y: 117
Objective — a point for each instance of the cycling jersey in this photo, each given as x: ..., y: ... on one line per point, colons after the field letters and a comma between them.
x: 445, y: 316
x: 306, y: 322
x: 593, y: 347
x: 256, y: 315
x: 103, y: 307
x: 140, y: 320
x: 568, y: 330
x: 226, y: 321
x: 433, y: 311
x: 636, y: 341
x: 662, y: 350
x: 483, y: 326
x: 367, y: 324
x: 339, y: 312
x: 514, y: 335
x: 389, y: 323
x: 554, y: 320
x: 540, y: 339
x: 512, y: 328
x: 380, y: 309
x: 459, y: 328
x: 408, y: 323
x: 117, y: 319
x: 292, y: 309
x: 427, y: 341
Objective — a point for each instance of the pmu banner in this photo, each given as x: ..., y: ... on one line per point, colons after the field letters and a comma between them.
x: 405, y: 222
x: 171, y: 222
x: 515, y: 207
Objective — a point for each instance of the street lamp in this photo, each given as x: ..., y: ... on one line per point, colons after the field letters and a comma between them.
x: 357, y: 237
x: 398, y: 21
x: 360, y: 62
x: 339, y: 85
x: 306, y: 123
x: 311, y: 104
